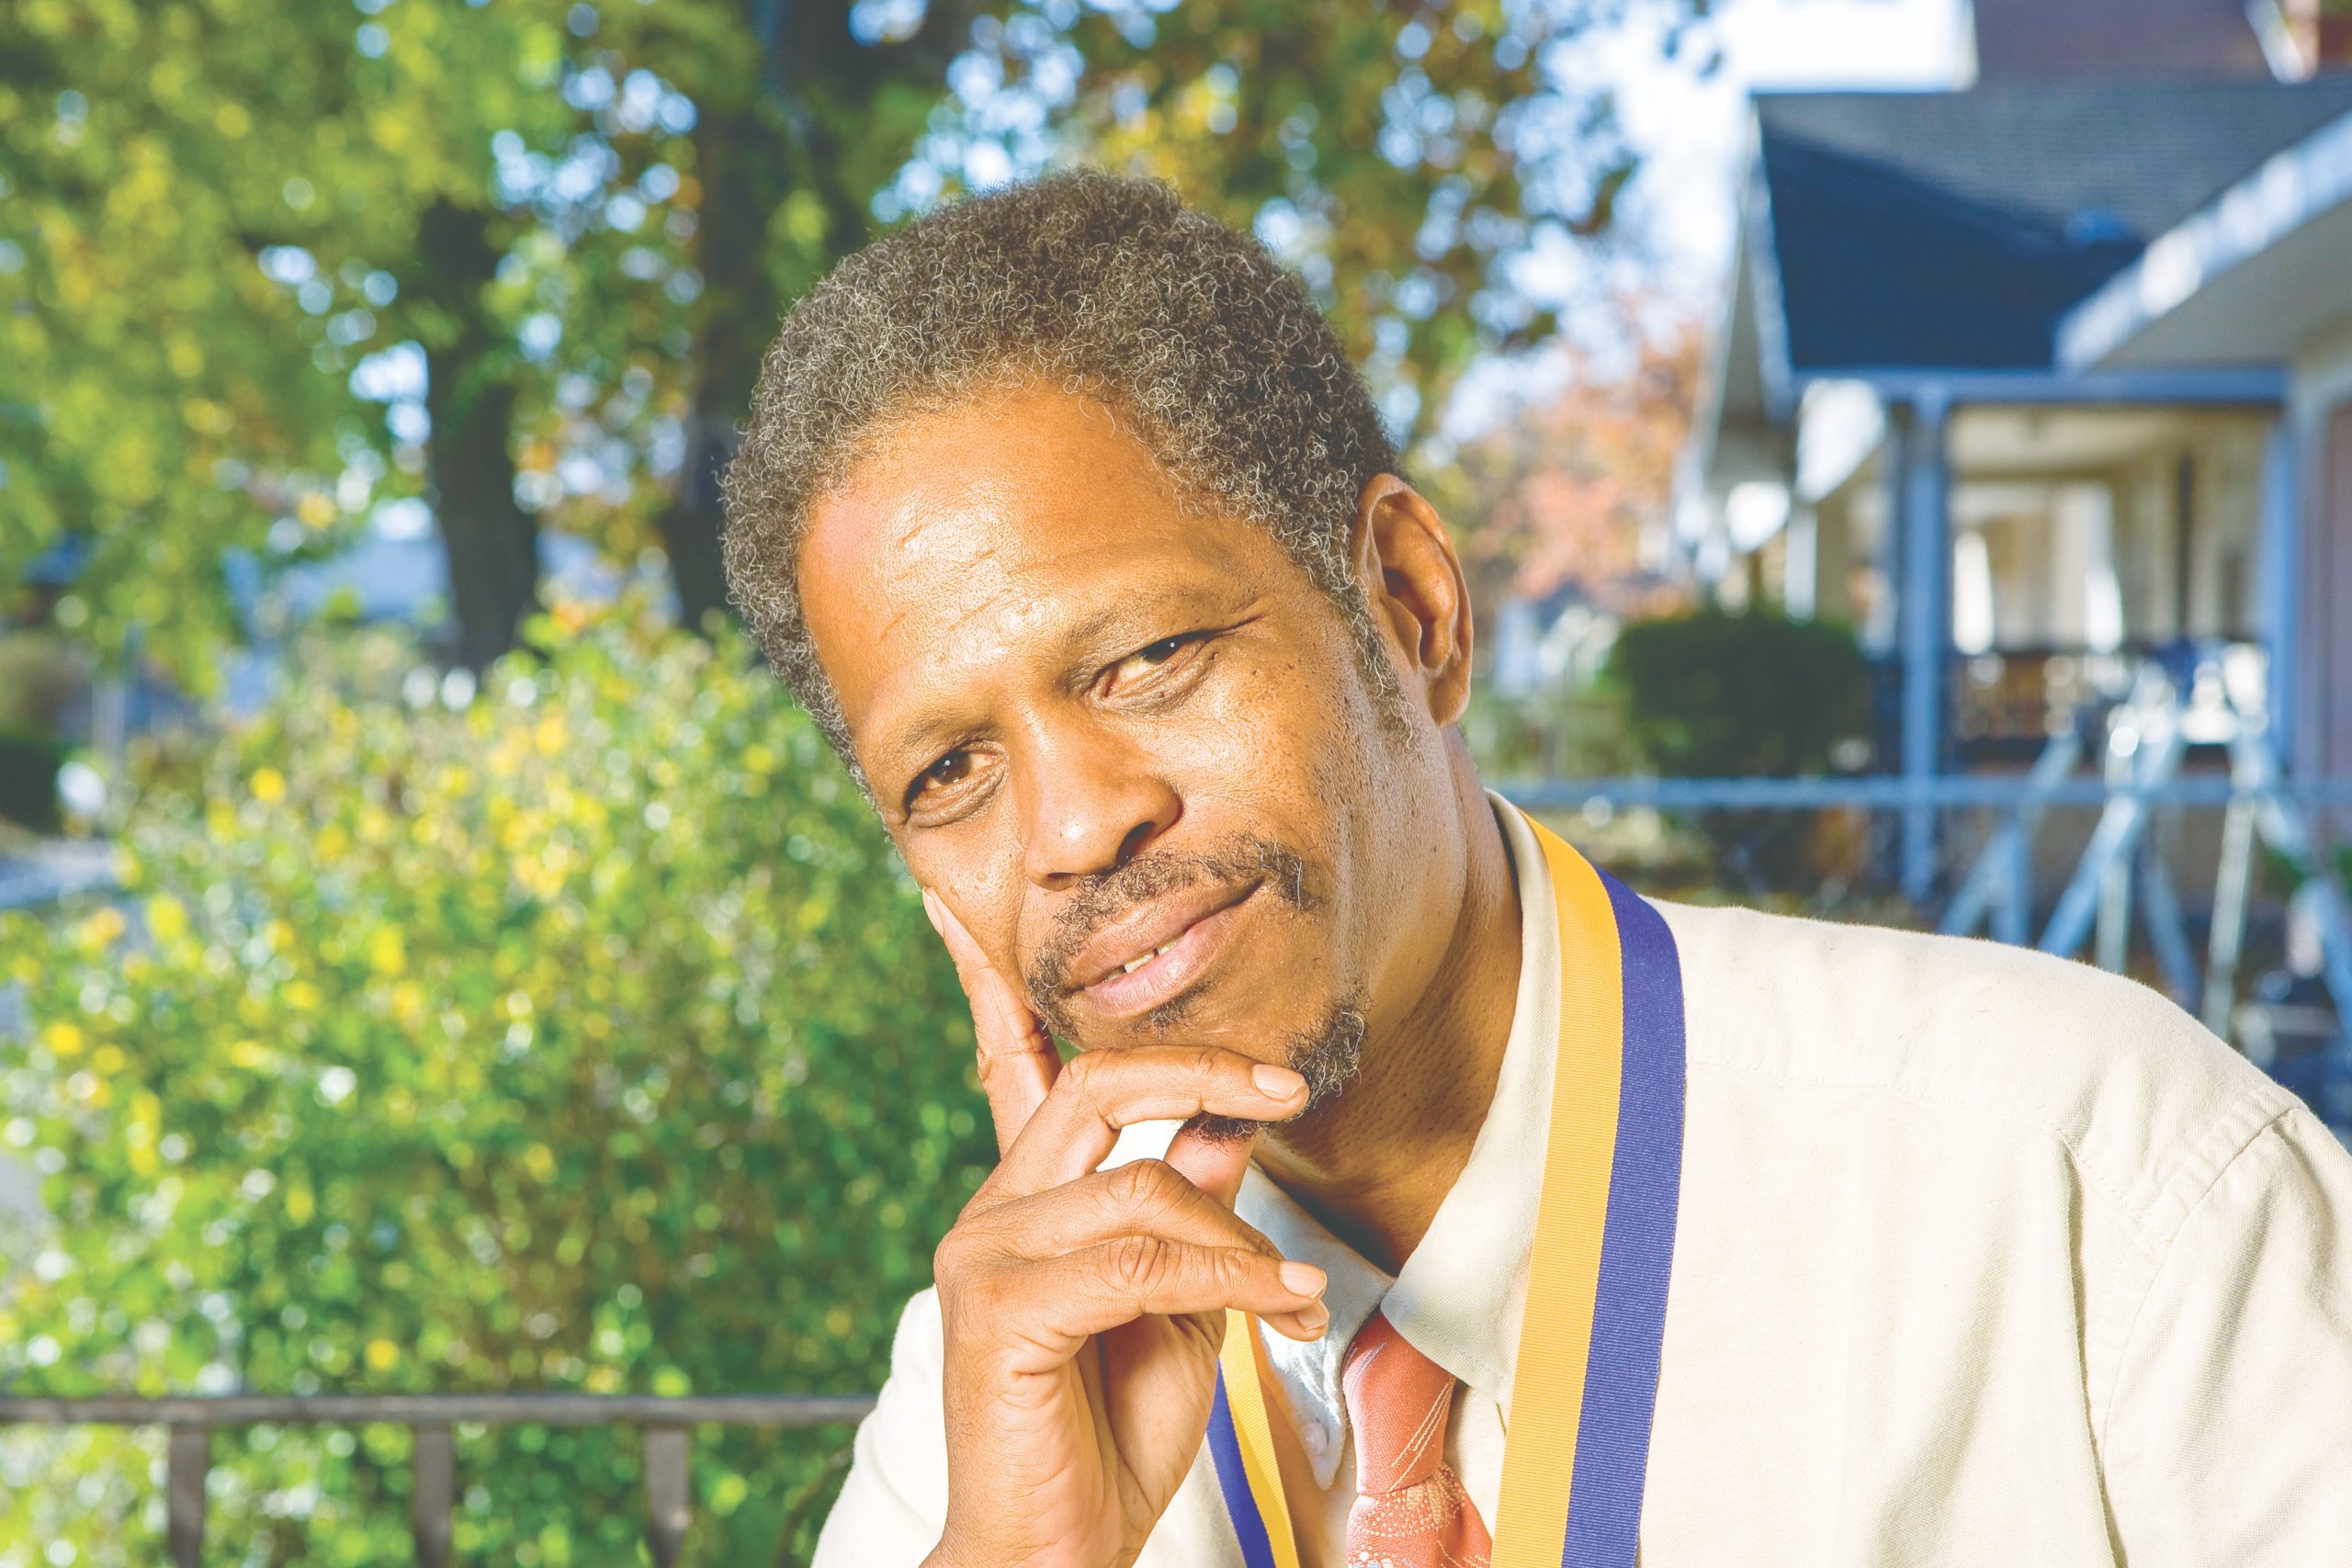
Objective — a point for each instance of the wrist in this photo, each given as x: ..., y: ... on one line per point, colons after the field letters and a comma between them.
x: 946, y: 1554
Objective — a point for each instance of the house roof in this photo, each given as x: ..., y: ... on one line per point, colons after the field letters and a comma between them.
x: 2037, y: 38
x: 1952, y: 230
x: 2254, y: 273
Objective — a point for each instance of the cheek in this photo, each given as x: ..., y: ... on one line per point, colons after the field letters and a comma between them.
x: 979, y: 879
x: 1279, y: 717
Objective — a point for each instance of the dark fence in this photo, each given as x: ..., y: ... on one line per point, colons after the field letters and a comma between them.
x: 667, y: 1423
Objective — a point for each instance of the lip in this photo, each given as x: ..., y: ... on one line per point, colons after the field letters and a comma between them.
x: 1193, y: 924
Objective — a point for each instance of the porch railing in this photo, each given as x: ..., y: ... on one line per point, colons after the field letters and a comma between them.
x: 667, y: 1423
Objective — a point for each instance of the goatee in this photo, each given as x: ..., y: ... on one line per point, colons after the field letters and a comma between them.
x: 1328, y: 1056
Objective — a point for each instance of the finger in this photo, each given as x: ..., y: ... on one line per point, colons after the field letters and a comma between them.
x: 1148, y: 1197
x: 1102, y: 1091
x: 1060, y: 1303
x: 1212, y: 1164
x: 1018, y: 1062
x: 1213, y: 1167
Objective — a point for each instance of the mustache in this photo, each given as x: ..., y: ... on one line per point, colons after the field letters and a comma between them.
x: 1100, y: 899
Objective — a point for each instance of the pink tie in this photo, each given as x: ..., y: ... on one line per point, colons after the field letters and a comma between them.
x: 1411, y: 1510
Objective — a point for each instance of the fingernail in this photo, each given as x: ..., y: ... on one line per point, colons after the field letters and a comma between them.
x: 1302, y: 1279
x: 1315, y: 1318
x: 1277, y: 1083
x: 931, y: 911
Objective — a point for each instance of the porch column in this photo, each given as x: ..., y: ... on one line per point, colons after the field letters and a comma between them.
x: 2280, y: 561
x: 1923, y: 623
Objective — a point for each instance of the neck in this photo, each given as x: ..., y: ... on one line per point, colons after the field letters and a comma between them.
x: 1375, y: 1164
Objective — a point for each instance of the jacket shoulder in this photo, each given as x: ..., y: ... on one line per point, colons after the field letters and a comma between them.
x: 2143, y: 1095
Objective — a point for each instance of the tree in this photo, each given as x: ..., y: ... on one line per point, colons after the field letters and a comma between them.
x: 581, y: 222
x: 1566, y: 491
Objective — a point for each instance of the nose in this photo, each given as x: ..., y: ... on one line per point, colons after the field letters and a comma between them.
x: 1089, y: 803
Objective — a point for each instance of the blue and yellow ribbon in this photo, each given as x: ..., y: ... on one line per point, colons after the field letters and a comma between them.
x: 1586, y: 1386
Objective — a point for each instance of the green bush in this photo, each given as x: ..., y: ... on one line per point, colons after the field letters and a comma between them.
x: 38, y: 678
x: 29, y: 766
x: 1715, y: 696
x: 589, y: 1038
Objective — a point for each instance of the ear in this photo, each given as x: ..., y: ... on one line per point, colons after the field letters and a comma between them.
x: 1412, y: 579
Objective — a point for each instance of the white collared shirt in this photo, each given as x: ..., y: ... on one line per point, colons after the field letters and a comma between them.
x: 1982, y: 1258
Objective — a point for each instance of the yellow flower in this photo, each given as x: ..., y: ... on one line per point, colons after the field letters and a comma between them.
x: 382, y: 1354
x: 62, y: 1040
x: 101, y: 929
x: 268, y: 786
x: 387, y: 954
x: 166, y: 917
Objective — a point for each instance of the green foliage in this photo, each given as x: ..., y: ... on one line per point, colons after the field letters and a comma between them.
x: 590, y: 1037
x: 587, y: 278
x: 29, y: 766
x: 38, y: 677
x: 1715, y: 696
x: 1400, y: 156
x: 214, y: 209
x: 1569, y: 729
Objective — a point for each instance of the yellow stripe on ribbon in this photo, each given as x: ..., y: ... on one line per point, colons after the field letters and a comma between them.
x: 1564, y: 1270
x: 1245, y: 1385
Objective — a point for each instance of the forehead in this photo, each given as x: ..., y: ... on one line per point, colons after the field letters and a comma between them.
x: 1002, y: 533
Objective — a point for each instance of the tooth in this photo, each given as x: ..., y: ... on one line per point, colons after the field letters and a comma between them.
x: 1132, y: 965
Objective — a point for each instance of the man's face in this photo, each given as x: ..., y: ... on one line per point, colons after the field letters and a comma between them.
x: 1130, y: 745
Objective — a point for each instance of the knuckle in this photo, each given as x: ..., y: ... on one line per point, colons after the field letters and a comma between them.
x: 1249, y: 1238
x: 1234, y: 1267
x: 1145, y: 1185
x: 1139, y: 1264
x: 1080, y: 1073
x: 1205, y: 1063
x: 971, y: 1297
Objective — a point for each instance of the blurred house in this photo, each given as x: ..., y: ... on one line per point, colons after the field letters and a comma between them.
x: 2035, y: 378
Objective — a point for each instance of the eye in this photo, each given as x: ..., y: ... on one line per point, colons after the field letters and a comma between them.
x: 1145, y: 660
x: 951, y: 768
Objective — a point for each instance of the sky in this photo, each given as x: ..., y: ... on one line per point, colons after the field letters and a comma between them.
x: 1673, y: 240
x: 1693, y: 131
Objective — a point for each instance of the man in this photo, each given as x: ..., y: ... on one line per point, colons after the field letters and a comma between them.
x: 1063, y: 513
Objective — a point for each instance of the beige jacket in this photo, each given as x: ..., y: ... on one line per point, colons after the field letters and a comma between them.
x: 1983, y: 1259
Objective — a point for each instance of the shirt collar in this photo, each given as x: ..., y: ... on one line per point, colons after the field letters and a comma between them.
x: 1459, y: 1296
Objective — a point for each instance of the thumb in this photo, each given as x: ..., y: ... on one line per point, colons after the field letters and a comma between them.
x: 1212, y: 1163
x: 1017, y: 1060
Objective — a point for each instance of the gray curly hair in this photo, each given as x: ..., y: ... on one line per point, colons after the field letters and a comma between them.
x: 1101, y: 286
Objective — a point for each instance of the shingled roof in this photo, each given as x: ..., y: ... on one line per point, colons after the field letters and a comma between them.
x: 1945, y: 230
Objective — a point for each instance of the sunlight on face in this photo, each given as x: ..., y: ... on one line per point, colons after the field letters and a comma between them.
x: 1129, y: 742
